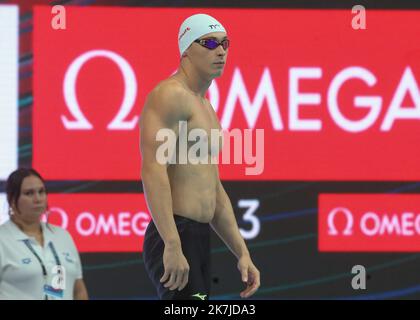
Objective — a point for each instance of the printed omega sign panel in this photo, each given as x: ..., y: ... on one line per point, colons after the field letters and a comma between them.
x: 335, y: 103
x: 369, y: 222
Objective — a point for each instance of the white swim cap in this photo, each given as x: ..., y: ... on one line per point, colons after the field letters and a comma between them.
x: 195, y: 27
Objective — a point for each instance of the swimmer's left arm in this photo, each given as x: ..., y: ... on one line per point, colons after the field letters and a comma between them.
x: 226, y: 227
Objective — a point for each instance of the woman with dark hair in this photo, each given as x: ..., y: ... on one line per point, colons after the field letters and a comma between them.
x: 37, y: 260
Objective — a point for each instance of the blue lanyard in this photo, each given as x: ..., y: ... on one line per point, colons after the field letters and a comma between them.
x: 54, y: 252
x: 44, y: 269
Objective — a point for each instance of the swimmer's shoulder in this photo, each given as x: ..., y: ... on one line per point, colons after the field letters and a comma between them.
x: 170, y: 95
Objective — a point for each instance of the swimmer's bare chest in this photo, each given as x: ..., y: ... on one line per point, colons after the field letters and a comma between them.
x: 193, y: 185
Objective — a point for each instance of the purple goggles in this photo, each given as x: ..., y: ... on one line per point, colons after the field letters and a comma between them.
x: 212, y: 44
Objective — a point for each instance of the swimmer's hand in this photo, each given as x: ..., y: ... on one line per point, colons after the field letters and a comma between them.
x: 250, y: 275
x: 176, y: 268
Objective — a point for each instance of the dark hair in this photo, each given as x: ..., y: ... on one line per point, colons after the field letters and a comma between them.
x: 14, y: 183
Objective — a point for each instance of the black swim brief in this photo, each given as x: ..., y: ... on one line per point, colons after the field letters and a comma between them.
x: 195, y: 242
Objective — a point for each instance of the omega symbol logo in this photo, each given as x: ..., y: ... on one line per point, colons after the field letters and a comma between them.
x: 348, y: 230
x: 79, y: 121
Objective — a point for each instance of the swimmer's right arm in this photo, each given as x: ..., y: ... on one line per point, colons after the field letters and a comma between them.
x: 162, y: 111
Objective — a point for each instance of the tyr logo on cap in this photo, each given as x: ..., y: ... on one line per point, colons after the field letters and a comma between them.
x: 214, y: 26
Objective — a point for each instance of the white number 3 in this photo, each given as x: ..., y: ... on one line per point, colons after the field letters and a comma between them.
x: 252, y: 205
